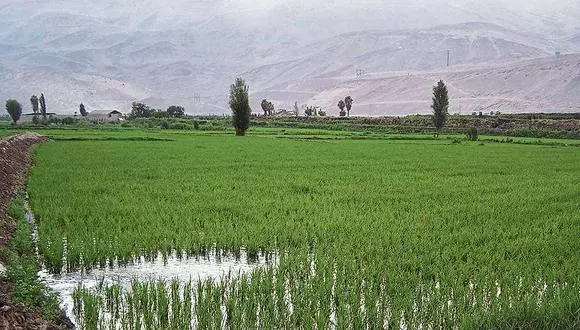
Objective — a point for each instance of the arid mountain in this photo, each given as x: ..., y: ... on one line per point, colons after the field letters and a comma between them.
x: 363, y: 52
x: 540, y: 85
x: 107, y: 54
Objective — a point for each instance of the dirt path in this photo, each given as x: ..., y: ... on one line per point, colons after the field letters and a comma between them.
x: 14, y: 164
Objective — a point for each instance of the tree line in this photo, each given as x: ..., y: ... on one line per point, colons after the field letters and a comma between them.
x: 141, y: 110
x: 310, y: 110
x: 14, y: 108
x: 241, y: 111
x: 347, y: 103
x: 240, y: 107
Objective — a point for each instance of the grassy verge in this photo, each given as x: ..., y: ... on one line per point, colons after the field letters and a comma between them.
x: 156, y: 134
x: 23, y: 267
x: 544, y: 126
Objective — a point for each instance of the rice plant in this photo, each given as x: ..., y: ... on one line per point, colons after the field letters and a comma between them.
x: 369, y: 233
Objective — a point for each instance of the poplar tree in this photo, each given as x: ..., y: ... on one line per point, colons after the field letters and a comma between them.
x: 240, y: 105
x: 440, y: 106
x: 42, y: 102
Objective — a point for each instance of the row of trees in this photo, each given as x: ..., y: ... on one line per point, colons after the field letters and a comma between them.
x: 138, y: 110
x: 347, y: 103
x: 268, y: 108
x: 314, y: 111
x: 14, y: 108
x: 241, y: 111
x: 38, y: 105
x: 239, y: 104
x: 141, y: 110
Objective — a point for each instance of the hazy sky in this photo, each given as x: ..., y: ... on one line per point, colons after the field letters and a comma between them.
x: 108, y: 37
x: 529, y: 15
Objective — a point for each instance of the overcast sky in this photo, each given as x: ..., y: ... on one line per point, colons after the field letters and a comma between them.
x: 54, y: 33
x: 529, y: 15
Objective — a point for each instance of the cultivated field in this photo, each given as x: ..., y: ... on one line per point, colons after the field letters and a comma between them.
x: 364, y: 233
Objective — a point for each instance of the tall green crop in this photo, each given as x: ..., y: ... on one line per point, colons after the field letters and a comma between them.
x: 371, y: 232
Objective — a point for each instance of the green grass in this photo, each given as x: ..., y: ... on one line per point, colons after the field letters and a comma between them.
x: 23, y: 267
x: 5, y: 132
x: 412, y: 216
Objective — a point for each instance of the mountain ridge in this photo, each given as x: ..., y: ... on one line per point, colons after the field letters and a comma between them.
x: 182, y: 52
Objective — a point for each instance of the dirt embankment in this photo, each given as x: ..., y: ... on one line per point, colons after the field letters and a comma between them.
x: 14, y: 164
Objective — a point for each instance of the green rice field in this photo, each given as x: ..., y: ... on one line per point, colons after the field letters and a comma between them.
x: 366, y: 233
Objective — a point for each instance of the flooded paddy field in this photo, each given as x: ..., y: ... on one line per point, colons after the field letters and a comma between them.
x: 168, y: 269
x: 179, y: 268
x: 375, y: 233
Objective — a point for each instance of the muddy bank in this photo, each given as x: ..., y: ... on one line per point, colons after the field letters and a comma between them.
x: 14, y: 164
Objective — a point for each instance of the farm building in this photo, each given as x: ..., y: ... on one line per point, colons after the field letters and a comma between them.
x: 104, y: 116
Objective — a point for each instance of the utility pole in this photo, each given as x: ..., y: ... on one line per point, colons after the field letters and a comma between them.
x: 448, y: 57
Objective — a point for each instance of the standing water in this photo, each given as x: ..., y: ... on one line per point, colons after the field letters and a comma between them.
x: 161, y: 268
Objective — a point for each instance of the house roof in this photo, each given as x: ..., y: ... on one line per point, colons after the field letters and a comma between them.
x: 103, y: 112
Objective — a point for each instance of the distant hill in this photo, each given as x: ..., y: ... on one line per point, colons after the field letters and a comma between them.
x: 363, y: 52
x: 107, y: 53
x: 540, y: 85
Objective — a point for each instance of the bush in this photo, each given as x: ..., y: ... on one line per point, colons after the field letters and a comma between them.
x: 28, y: 290
x: 181, y: 126
x: 21, y: 242
x: 472, y: 134
x: 23, y: 268
x: 165, y: 124
x: 68, y: 121
x: 54, y: 120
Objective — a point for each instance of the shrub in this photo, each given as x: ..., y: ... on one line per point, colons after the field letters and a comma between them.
x: 165, y: 124
x: 182, y: 126
x: 28, y: 290
x: 53, y: 120
x: 23, y: 268
x: 68, y: 121
x: 472, y: 134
